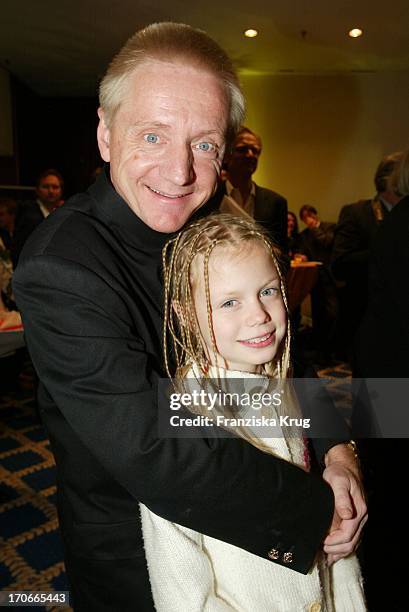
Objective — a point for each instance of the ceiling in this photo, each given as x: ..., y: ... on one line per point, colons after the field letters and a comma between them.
x: 61, y: 47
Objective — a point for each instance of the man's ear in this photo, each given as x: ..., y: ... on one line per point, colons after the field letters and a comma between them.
x: 103, y: 137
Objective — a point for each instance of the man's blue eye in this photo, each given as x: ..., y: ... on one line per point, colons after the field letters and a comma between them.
x: 152, y: 138
x: 205, y: 146
x: 229, y: 304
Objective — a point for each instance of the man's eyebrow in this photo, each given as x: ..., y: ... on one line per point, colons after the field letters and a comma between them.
x: 142, y: 125
x: 210, y: 132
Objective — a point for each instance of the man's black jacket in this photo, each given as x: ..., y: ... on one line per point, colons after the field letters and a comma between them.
x: 89, y: 288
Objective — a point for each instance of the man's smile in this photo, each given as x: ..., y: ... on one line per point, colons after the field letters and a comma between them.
x: 168, y: 195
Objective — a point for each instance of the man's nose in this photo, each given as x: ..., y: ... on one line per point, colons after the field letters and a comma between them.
x: 178, y: 166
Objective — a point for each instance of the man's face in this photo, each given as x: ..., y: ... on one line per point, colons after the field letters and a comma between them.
x: 310, y: 219
x: 166, y: 142
x: 245, y: 154
x: 49, y: 190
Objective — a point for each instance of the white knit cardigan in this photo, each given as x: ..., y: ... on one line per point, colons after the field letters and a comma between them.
x: 192, y: 572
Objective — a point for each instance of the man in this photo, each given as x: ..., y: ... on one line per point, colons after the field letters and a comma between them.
x: 264, y: 205
x: 356, y: 230
x: 316, y: 243
x: 383, y: 338
x: 382, y: 351
x: 49, y: 191
x: 89, y: 289
x: 317, y: 239
x: 31, y: 213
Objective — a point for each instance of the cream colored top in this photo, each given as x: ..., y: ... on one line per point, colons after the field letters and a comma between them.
x: 192, y: 572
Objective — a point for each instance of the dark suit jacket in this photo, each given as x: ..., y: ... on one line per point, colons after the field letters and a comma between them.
x: 317, y: 243
x: 88, y: 285
x: 28, y: 217
x: 29, y: 214
x: 382, y: 351
x: 270, y: 211
x: 382, y: 344
x: 354, y: 236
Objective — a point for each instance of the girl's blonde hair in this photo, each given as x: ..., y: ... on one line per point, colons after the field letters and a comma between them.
x: 181, y: 333
x: 182, y: 339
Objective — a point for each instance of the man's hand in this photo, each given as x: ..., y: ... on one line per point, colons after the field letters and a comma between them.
x: 342, y: 473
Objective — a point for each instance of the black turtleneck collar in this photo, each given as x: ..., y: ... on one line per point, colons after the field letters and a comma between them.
x: 112, y: 209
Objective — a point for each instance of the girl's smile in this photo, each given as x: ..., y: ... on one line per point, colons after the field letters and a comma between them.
x: 259, y: 342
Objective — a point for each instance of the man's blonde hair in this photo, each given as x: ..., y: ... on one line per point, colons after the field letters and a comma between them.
x: 169, y: 42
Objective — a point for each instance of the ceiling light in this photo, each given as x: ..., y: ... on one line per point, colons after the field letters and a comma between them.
x: 355, y: 33
x: 251, y: 33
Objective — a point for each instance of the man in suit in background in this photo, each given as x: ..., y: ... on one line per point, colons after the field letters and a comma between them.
x: 381, y: 351
x: 49, y: 191
x: 354, y: 235
x: 239, y: 194
x: 316, y: 243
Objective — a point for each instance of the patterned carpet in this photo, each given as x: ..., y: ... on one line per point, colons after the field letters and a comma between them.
x: 30, y: 547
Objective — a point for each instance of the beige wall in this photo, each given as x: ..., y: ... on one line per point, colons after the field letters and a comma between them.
x: 6, y: 126
x: 323, y: 136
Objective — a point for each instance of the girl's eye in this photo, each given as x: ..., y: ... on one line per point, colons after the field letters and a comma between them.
x: 151, y: 138
x: 205, y: 146
x: 229, y: 304
x: 269, y: 291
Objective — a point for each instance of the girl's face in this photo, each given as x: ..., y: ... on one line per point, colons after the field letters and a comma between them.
x: 248, y: 313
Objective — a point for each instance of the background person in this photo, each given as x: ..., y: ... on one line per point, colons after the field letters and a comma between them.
x: 382, y: 352
x: 356, y: 229
x: 8, y: 209
x: 49, y: 191
x: 261, y: 204
x: 8, y: 212
x: 316, y: 242
x: 293, y: 235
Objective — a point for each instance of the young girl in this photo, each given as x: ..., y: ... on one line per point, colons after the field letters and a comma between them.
x: 226, y: 314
